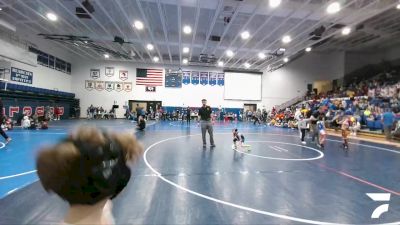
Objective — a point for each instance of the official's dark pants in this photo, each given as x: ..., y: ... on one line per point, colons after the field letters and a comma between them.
x: 2, y: 133
x: 303, y: 133
x: 207, y: 126
x: 188, y: 118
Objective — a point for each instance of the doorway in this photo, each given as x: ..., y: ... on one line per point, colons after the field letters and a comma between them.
x: 250, y: 107
x: 154, y: 105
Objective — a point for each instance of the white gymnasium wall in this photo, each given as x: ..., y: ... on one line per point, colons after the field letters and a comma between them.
x: 43, y: 77
x: 291, y: 80
x: 356, y: 60
x: 188, y: 95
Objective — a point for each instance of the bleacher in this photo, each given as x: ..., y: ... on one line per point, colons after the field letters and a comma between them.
x: 17, y: 88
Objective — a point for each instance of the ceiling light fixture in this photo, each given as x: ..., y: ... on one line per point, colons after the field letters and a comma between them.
x: 286, y: 39
x: 246, y: 65
x: 333, y: 8
x: 106, y: 56
x: 185, y: 61
x: 274, y: 3
x: 261, y: 55
x: 308, y: 49
x: 51, y: 16
x: 286, y: 60
x: 156, y: 59
x: 230, y: 53
x: 346, y: 31
x: 398, y: 6
x: 282, y: 49
x: 150, y: 47
x: 220, y: 64
x: 138, y: 24
x: 245, y: 35
x: 187, y: 29
x: 185, y: 50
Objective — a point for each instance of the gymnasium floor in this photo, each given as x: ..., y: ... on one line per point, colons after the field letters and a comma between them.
x: 178, y: 182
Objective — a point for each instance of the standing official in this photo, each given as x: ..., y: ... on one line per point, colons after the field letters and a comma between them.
x: 205, y: 122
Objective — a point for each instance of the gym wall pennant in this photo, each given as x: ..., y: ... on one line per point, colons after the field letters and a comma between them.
x: 128, y: 86
x: 118, y: 86
x: 95, y: 73
x: 123, y: 75
x: 109, y: 86
x: 89, y: 85
x: 109, y: 71
x: 100, y: 85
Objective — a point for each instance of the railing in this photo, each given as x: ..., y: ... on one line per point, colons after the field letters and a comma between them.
x: 291, y: 102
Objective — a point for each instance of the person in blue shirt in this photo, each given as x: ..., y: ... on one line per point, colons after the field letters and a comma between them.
x: 388, y: 120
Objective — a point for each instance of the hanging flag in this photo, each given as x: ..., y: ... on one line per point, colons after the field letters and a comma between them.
x: 95, y: 73
x: 109, y: 86
x: 195, y: 77
x: 89, y: 85
x: 128, y: 86
x: 203, y: 78
x: 186, y: 77
x: 118, y: 86
x: 100, y: 85
x: 150, y: 89
x: 149, y: 77
x: 221, y: 79
x: 123, y: 74
x: 109, y: 71
x: 213, y: 78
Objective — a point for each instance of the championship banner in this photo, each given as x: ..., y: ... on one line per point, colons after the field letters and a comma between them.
x: 109, y: 86
x: 100, y: 85
x: 118, y: 86
x: 150, y: 89
x: 109, y: 71
x: 21, y: 76
x: 213, y: 78
x: 128, y: 86
x: 123, y: 75
x: 195, y: 77
x: 203, y: 78
x: 186, y: 77
x: 95, y: 73
x: 89, y: 85
x: 221, y: 79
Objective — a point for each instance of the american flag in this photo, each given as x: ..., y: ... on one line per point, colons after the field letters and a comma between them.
x: 149, y: 77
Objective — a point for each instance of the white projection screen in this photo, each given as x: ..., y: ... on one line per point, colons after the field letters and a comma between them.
x: 242, y: 86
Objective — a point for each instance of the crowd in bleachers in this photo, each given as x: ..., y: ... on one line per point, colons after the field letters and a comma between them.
x: 370, y: 104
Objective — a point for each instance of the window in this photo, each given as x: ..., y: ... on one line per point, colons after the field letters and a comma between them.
x: 43, y: 59
x: 50, y: 61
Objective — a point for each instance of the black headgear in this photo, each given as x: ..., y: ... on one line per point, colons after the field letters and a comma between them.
x: 103, y: 171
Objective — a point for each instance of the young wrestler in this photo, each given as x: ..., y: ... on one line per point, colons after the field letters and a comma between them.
x: 322, y: 133
x: 237, y: 138
x: 346, y: 123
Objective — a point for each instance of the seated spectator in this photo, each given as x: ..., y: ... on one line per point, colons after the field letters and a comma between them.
x: 26, y: 122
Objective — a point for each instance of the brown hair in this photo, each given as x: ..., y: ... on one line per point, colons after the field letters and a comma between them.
x: 67, y: 170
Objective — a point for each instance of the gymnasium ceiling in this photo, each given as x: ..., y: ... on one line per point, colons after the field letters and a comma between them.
x: 372, y: 22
